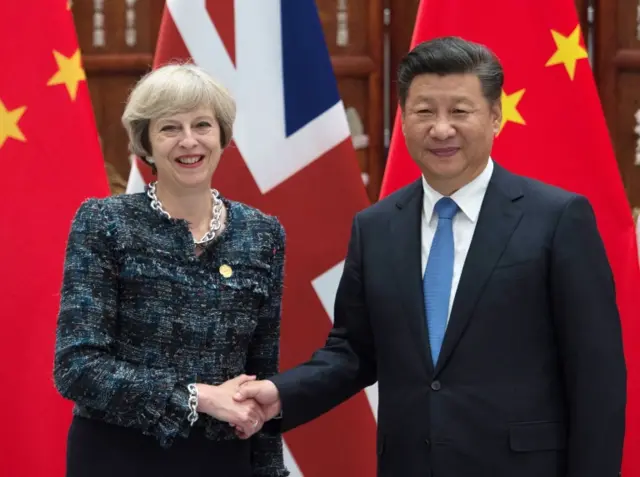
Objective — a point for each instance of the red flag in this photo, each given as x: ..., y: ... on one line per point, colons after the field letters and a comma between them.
x: 291, y: 157
x: 51, y: 160
x: 553, y: 130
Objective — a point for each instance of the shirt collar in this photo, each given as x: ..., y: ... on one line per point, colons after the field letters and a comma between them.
x: 469, y: 197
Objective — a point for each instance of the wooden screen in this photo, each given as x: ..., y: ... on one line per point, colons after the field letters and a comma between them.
x: 617, y: 69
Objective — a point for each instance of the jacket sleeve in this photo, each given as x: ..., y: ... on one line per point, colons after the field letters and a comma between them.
x: 263, y: 361
x: 346, y: 364
x: 85, y: 370
x: 590, y: 343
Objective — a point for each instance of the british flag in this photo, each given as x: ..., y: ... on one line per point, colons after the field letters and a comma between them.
x: 292, y: 157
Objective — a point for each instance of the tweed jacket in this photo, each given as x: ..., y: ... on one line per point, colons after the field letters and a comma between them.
x: 142, y: 316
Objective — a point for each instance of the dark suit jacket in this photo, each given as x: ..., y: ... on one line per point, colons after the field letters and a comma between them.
x: 531, y: 379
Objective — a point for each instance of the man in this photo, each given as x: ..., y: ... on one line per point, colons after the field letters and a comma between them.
x: 481, y: 301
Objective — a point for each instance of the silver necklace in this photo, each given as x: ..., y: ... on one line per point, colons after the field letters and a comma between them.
x: 214, y: 225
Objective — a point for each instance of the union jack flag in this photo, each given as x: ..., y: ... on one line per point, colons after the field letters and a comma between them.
x: 292, y: 157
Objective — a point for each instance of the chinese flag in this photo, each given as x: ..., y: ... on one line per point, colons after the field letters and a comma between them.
x: 553, y: 130
x: 51, y: 160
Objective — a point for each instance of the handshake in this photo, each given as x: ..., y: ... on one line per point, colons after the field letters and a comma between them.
x: 243, y: 402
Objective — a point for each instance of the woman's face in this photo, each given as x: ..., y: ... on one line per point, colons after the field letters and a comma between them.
x: 186, y: 148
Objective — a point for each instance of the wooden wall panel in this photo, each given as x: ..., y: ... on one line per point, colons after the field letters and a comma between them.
x: 113, y: 66
x: 114, y: 16
x: 354, y: 34
x: 625, y: 137
x: 331, y: 13
x: 402, y: 21
x: 582, y: 8
x: 617, y: 74
x: 108, y: 108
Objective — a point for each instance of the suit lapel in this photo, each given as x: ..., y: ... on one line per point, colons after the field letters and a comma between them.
x: 499, y: 216
x: 406, y: 234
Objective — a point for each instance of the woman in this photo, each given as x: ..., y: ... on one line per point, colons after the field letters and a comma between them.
x: 169, y: 297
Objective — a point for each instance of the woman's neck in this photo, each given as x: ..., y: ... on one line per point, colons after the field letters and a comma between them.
x: 193, y: 205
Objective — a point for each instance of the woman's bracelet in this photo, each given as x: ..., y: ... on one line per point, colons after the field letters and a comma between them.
x: 193, y: 403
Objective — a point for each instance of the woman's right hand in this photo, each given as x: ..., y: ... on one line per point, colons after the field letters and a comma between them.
x: 218, y: 402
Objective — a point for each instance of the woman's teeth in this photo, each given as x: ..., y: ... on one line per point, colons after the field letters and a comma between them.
x: 189, y: 160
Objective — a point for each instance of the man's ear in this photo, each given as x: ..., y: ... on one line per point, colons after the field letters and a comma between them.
x: 496, y: 116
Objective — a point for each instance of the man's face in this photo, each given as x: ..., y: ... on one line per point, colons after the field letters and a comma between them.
x: 449, y: 128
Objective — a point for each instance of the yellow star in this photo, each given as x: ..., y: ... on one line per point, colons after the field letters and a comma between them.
x: 509, y: 108
x: 70, y: 72
x: 9, y: 123
x: 569, y: 51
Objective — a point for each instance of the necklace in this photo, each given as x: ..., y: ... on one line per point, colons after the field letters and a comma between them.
x: 214, y: 225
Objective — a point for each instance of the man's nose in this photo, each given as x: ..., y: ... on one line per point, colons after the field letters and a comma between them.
x: 442, y: 129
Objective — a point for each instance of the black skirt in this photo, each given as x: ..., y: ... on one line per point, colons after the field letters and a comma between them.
x: 97, y: 449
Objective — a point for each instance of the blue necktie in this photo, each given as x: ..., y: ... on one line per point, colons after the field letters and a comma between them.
x: 438, y: 275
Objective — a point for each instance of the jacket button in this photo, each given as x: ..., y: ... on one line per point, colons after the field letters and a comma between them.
x: 436, y: 385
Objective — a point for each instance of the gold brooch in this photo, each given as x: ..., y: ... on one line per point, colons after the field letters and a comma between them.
x: 225, y: 271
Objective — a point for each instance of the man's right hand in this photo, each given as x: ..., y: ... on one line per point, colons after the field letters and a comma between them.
x: 264, y: 393
x: 218, y: 402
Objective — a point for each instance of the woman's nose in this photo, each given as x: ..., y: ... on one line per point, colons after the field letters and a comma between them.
x: 188, y: 139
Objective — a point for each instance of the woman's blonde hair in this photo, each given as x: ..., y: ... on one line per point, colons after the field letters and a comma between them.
x: 174, y: 89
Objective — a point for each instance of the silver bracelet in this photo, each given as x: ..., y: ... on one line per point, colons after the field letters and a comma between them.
x: 193, y: 403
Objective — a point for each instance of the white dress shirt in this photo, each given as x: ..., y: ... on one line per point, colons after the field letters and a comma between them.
x: 469, y: 199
